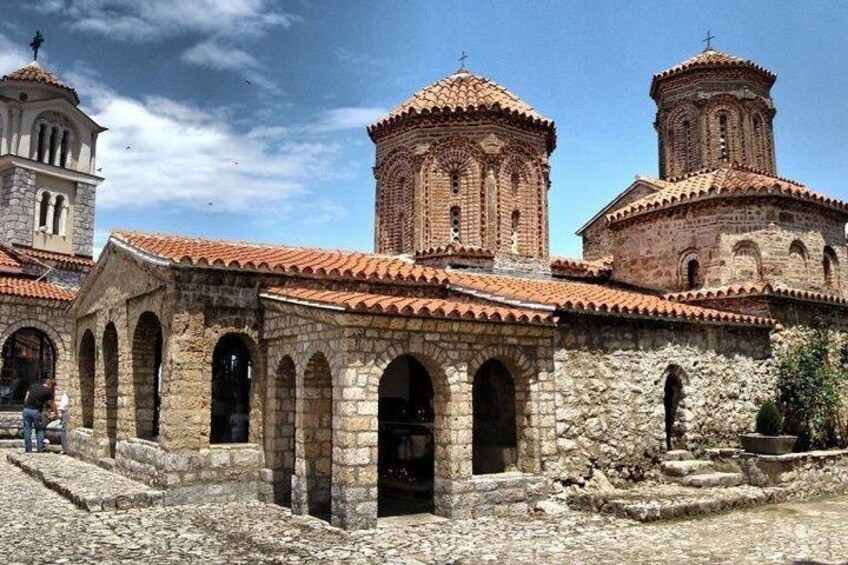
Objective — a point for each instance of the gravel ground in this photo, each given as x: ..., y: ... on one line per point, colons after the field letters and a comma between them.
x: 39, y: 526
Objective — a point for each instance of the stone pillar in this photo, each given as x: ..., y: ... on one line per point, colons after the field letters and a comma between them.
x: 453, y: 430
x: 186, y: 384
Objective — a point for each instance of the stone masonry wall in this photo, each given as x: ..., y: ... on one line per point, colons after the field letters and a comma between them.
x: 610, y: 377
x: 732, y: 241
x: 598, y: 242
x: 83, y: 233
x: 17, y: 206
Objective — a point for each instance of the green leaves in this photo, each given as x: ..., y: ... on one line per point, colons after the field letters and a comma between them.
x: 769, y: 421
x: 810, y: 373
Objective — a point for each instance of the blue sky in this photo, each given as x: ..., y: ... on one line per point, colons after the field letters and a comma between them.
x: 245, y: 118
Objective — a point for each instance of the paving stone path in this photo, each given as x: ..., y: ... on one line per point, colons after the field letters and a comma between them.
x: 39, y: 526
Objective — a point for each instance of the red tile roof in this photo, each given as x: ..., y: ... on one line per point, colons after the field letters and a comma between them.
x: 719, y: 183
x: 711, y: 58
x: 759, y: 288
x: 28, y: 288
x: 464, y: 91
x: 74, y: 260
x: 409, y: 306
x: 8, y: 261
x: 579, y: 268
x: 455, y: 248
x: 34, y: 72
x: 219, y: 254
x: 589, y: 298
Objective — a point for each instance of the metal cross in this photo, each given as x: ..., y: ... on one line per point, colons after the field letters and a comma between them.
x: 708, y: 39
x: 462, y: 59
x: 36, y: 44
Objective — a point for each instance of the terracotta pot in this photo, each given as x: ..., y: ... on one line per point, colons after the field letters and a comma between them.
x: 767, y: 445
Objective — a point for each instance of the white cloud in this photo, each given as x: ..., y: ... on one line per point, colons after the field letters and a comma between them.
x: 12, y: 56
x: 139, y: 21
x: 165, y: 152
x: 348, y: 118
x: 216, y: 56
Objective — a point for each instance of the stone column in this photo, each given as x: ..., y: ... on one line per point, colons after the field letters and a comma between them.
x: 453, y: 430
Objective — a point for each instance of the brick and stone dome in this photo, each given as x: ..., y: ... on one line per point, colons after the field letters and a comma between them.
x: 35, y: 73
x: 714, y: 110
x: 461, y: 92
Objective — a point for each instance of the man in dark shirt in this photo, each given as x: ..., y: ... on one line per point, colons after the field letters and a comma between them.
x: 38, y: 395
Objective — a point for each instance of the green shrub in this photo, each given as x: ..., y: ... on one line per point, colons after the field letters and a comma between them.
x: 769, y: 421
x: 809, y: 377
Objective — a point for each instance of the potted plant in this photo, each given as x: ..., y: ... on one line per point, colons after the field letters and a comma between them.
x: 767, y: 439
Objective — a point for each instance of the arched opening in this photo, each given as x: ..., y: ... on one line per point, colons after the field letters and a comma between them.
x: 672, y: 400
x: 315, y: 443
x: 406, y: 458
x: 513, y: 238
x: 746, y: 262
x: 147, y: 375
x: 58, y: 209
x: 830, y: 266
x: 455, y: 222
x: 723, y: 152
x: 232, y: 370
x: 494, y: 431
x: 110, y: 373
x: 279, y: 447
x: 86, y: 366
x: 797, y: 271
x: 28, y: 357
x: 693, y: 274
x: 44, y: 212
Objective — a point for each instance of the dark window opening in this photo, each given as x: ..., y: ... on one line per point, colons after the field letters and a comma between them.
x: 231, y: 378
x: 28, y: 357
x: 494, y: 448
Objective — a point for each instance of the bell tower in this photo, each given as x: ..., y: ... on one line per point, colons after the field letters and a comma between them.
x: 714, y: 110
x: 48, y: 147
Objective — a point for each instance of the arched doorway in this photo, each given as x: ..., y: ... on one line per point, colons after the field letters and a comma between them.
x: 405, y: 441
x: 494, y: 431
x: 279, y: 443
x: 672, y: 400
x: 86, y: 365
x: 231, y: 377
x: 110, y: 373
x: 147, y: 375
x: 315, y: 437
x: 28, y: 357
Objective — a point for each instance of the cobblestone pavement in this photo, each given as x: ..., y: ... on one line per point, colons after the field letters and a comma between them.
x: 39, y: 526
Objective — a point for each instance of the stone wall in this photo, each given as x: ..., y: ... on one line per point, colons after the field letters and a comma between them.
x: 610, y: 378
x: 83, y: 234
x: 735, y: 241
x: 598, y: 242
x: 17, y: 212
x: 801, y: 475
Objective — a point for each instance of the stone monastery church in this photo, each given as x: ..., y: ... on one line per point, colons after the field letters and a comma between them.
x: 459, y: 369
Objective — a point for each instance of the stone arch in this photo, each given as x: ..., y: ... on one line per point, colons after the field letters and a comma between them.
x: 798, y: 268
x: 86, y: 361
x: 279, y: 436
x: 681, y: 140
x: 690, y: 274
x: 314, y: 436
x: 760, y: 142
x: 675, y: 381
x: 110, y: 356
x: 518, y: 161
x: 724, y: 119
x: 830, y: 268
x: 233, y: 388
x: 747, y: 264
x: 147, y: 348
x: 29, y: 356
x: 55, y: 336
x: 522, y: 373
x: 406, y: 438
x: 395, y: 194
x: 54, y: 139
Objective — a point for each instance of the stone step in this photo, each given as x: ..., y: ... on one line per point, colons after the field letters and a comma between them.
x: 677, y: 455
x: 686, y: 467
x: 107, y: 463
x: 86, y: 485
x: 19, y: 444
x: 706, y: 480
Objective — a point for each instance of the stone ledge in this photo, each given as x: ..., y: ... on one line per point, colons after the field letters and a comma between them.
x: 89, y: 487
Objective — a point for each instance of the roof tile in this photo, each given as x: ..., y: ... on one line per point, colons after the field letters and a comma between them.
x: 34, y: 72
x: 28, y: 288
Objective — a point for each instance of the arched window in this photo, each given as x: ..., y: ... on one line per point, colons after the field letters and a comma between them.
x: 515, y: 181
x: 722, y: 138
x: 693, y: 274
x: 797, y: 271
x: 28, y: 357
x: 673, y: 400
x: 231, y: 378
x: 494, y: 437
x: 59, y: 216
x: 147, y: 375
x: 52, y: 140
x: 42, y: 142
x: 513, y: 238
x: 455, y: 219
x: 830, y: 266
x: 44, y: 212
x: 746, y: 262
x: 454, y: 182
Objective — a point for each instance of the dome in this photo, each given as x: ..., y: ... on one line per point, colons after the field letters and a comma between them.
x: 711, y: 58
x: 34, y: 72
x: 463, y: 92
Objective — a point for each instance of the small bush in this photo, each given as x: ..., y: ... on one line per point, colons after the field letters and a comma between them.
x: 769, y: 421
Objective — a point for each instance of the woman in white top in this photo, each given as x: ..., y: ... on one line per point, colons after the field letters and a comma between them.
x: 64, y: 411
